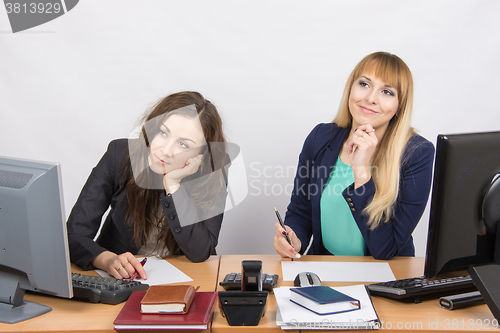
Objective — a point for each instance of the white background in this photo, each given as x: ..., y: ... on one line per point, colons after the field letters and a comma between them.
x: 273, y: 68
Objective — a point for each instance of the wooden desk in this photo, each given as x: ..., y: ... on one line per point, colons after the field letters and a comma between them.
x: 78, y: 316
x: 75, y: 316
x: 427, y: 316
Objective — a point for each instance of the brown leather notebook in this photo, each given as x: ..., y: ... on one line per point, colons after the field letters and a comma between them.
x: 168, y: 299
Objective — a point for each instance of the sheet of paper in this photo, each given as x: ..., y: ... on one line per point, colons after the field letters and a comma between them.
x: 339, y: 271
x: 292, y: 316
x: 159, y: 271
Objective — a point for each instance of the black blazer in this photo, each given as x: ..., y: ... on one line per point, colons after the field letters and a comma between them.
x: 105, y: 188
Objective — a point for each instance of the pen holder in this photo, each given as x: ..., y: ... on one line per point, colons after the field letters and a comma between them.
x: 243, y: 308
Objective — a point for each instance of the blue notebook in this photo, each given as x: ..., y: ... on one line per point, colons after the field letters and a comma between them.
x: 323, y: 300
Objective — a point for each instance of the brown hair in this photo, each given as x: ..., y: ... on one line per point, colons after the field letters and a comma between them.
x: 144, y: 210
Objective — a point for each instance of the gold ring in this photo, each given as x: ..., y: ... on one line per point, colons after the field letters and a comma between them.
x: 119, y: 268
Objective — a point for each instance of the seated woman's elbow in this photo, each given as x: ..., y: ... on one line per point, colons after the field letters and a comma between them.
x: 383, y: 256
x: 197, y: 258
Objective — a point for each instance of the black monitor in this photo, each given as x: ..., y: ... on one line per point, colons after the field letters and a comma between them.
x: 34, y: 251
x: 464, y: 204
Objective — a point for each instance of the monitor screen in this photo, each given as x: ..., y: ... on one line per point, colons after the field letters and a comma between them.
x: 34, y: 251
x: 465, y: 167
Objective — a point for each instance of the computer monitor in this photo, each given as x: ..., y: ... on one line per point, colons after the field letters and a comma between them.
x: 34, y: 251
x: 460, y: 235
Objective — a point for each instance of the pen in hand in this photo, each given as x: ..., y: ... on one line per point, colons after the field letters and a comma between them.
x: 288, y: 239
x: 136, y: 273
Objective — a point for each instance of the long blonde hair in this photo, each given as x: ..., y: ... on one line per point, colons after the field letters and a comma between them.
x: 388, y: 157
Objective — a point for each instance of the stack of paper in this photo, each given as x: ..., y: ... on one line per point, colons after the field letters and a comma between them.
x: 292, y: 316
x: 159, y: 271
x: 339, y: 271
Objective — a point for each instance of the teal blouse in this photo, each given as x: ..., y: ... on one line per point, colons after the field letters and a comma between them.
x: 340, y: 233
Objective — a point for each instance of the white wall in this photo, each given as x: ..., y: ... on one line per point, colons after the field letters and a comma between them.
x: 274, y: 68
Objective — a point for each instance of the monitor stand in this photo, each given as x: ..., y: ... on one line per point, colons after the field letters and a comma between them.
x: 487, y: 282
x: 486, y: 279
x: 13, y: 308
x: 10, y: 314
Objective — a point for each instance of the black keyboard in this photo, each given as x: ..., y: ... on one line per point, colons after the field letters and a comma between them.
x: 415, y: 287
x: 232, y: 281
x: 107, y: 290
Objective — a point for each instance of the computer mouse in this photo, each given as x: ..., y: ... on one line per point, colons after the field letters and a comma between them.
x: 306, y: 279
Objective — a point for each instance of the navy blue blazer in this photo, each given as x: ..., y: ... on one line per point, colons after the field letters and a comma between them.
x: 394, y: 238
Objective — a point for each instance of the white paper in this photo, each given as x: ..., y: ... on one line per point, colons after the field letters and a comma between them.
x: 159, y: 271
x: 292, y: 316
x: 339, y: 271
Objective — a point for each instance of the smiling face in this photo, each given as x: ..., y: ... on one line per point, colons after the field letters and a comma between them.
x: 372, y: 101
x: 178, y: 139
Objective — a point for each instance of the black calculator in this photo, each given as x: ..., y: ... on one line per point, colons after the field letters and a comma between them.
x: 232, y: 281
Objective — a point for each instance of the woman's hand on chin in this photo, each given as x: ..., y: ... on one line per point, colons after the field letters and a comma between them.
x: 172, y: 179
x: 361, y: 147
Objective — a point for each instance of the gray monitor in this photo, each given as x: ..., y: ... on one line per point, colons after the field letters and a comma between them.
x: 34, y: 253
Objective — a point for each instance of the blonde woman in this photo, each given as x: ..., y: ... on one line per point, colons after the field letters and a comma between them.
x: 363, y: 180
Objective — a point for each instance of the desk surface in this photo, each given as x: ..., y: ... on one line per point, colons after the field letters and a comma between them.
x: 395, y: 315
x: 75, y: 316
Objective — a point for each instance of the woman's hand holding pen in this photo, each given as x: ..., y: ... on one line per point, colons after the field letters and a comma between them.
x: 360, y: 147
x: 281, y: 245
x: 121, y: 266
